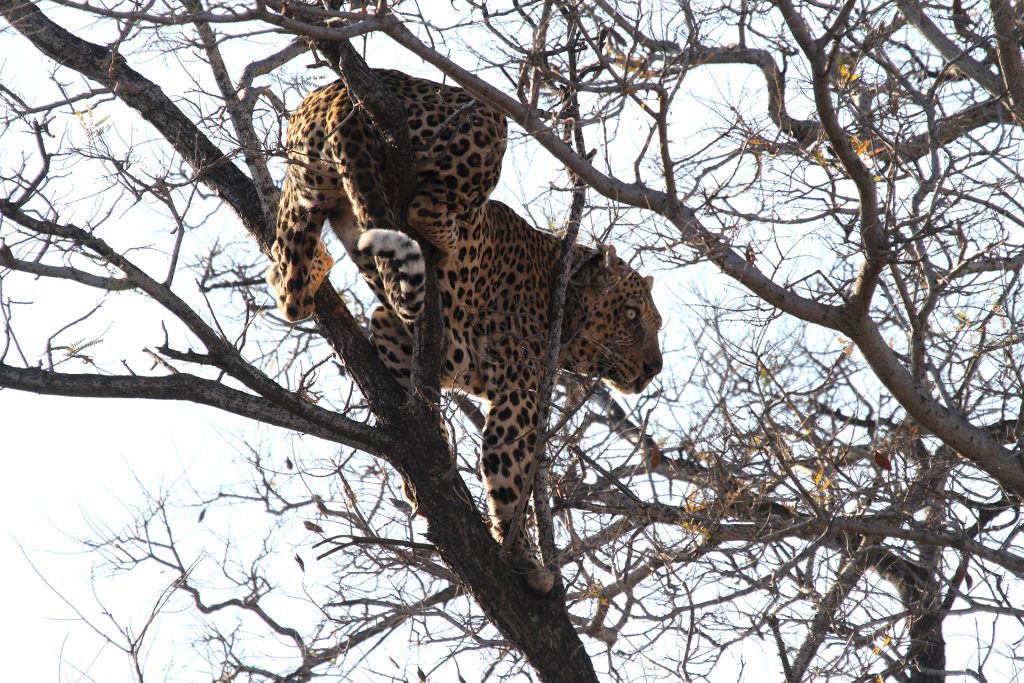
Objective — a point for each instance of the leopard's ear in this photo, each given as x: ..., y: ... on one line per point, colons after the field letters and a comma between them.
x: 594, y: 268
x: 603, y: 269
x: 649, y: 281
x: 614, y: 266
x: 608, y: 253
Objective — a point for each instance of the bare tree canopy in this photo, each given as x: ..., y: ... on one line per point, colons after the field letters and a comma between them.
x: 823, y: 484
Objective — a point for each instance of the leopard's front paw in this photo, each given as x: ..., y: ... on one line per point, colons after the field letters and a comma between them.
x: 525, y: 561
x: 295, y: 280
x: 540, y: 581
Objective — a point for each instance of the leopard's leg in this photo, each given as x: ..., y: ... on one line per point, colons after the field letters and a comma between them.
x: 393, y: 342
x: 507, y: 461
x: 456, y: 172
x: 335, y: 172
x: 300, y: 260
x: 433, y: 215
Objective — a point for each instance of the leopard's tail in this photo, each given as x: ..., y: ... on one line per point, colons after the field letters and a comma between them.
x: 408, y: 260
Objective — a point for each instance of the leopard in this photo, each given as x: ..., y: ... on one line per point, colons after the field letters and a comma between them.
x: 494, y: 272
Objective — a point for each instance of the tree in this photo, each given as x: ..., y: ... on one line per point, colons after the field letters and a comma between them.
x: 831, y: 467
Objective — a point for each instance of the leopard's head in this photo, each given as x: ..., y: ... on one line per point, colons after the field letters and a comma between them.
x: 613, y: 324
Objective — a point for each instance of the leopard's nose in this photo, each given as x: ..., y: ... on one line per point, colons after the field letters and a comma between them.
x: 652, y: 367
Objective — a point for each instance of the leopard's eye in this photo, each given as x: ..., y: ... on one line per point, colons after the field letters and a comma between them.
x: 632, y: 314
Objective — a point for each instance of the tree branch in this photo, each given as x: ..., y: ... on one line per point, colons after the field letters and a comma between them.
x: 823, y: 620
x: 184, y: 387
x: 1008, y: 38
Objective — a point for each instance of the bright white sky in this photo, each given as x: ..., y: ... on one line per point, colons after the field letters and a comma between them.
x: 91, y: 466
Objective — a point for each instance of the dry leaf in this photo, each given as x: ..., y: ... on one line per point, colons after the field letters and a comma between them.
x: 320, y: 505
x: 653, y: 457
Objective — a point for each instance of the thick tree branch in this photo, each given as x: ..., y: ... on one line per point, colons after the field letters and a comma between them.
x: 1011, y: 69
x: 390, y: 119
x: 184, y: 387
x: 950, y: 51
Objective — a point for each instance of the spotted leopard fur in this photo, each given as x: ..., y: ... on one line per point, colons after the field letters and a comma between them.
x: 494, y: 272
